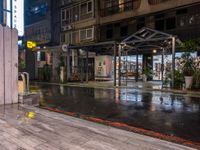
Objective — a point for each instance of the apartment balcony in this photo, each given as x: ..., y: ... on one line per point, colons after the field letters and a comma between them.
x: 154, y: 2
x: 120, y: 8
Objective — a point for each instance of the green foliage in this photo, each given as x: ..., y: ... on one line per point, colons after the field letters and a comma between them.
x: 22, y: 64
x: 190, y: 45
x: 188, y: 64
x: 196, y: 79
x: 178, y: 79
x: 148, y: 72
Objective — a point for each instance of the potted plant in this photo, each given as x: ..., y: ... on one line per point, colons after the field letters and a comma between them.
x: 196, y: 79
x: 147, y: 74
x: 188, y: 67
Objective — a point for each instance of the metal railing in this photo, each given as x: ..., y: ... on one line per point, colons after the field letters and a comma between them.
x: 23, y: 83
x: 123, y: 7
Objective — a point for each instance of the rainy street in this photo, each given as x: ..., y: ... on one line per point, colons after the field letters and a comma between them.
x: 170, y: 114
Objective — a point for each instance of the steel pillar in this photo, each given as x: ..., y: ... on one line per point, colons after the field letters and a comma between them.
x: 173, y: 60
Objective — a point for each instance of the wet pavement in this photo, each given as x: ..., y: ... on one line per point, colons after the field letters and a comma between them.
x: 166, y: 113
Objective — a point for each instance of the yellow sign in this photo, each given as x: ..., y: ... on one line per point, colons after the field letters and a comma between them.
x: 31, y: 44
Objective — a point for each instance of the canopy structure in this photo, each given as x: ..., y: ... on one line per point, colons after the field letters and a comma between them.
x: 101, y: 48
x: 147, y: 40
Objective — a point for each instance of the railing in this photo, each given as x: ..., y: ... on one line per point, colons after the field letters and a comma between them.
x: 154, y: 2
x: 123, y: 7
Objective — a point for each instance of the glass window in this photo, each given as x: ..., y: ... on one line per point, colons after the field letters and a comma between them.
x: 63, y: 15
x: 83, y: 34
x: 89, y: 33
x: 109, y: 33
x: 89, y: 5
x: 124, y: 31
x: 84, y: 8
x: 160, y: 25
x: 170, y: 23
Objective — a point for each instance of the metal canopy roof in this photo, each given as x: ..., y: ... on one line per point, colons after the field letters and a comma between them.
x: 147, y: 38
x: 99, y: 48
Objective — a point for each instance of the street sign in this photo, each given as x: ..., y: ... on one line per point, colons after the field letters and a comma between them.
x: 31, y: 44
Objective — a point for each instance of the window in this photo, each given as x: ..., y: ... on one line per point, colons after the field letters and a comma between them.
x: 83, y: 34
x: 181, y: 11
x: 109, y: 33
x: 124, y: 31
x: 89, y: 7
x: 63, y: 38
x: 83, y: 8
x: 86, y: 34
x: 76, y: 13
x: 68, y: 38
x: 86, y: 8
x: 42, y: 56
x: 160, y: 25
x: 63, y: 15
x: 140, y: 23
x: 170, y: 23
x: 68, y: 17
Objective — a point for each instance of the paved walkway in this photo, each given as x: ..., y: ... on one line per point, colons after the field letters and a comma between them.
x: 43, y: 130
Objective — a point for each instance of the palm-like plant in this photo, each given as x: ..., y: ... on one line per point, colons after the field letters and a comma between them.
x: 188, y: 64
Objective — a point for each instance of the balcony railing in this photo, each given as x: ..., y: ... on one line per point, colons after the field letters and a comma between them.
x: 123, y: 7
x: 154, y: 2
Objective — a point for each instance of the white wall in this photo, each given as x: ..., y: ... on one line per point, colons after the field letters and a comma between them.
x: 8, y: 65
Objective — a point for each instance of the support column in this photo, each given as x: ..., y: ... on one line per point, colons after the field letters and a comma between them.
x: 119, y: 65
x: 162, y: 66
x: 137, y: 74
x: 115, y: 63
x: 87, y: 68
x: 126, y: 67
x: 81, y: 65
x: 68, y: 64
x: 2, y: 75
x: 173, y: 60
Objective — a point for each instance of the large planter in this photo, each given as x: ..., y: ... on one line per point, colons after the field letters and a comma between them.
x: 144, y: 78
x: 188, y: 82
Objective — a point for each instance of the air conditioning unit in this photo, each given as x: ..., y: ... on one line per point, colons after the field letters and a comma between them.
x: 66, y: 28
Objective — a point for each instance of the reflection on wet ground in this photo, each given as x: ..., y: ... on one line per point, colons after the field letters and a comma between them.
x: 175, y: 115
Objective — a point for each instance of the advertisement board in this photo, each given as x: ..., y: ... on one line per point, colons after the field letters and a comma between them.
x: 103, y: 67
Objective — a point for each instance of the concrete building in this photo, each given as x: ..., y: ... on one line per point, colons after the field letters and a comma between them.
x: 120, y: 18
x: 79, y: 23
x: 5, y: 12
x: 42, y: 27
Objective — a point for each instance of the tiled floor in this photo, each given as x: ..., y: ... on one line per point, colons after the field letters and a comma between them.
x: 29, y: 128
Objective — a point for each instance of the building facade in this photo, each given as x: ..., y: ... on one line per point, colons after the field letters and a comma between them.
x: 78, y: 21
x: 42, y: 27
x: 120, y: 18
x: 5, y: 12
x: 57, y: 24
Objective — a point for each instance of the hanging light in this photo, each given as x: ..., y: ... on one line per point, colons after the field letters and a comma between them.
x: 154, y: 51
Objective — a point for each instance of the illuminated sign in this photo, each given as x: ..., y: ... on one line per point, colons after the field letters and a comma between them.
x: 17, y: 15
x: 31, y: 44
